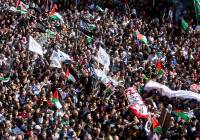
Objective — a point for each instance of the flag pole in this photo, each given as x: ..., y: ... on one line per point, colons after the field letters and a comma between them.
x: 195, y: 11
x: 28, y: 56
x: 47, y: 3
x: 77, y: 34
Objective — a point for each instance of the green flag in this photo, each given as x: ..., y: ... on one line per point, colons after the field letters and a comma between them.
x: 160, y: 73
x: 182, y: 115
x: 88, y: 40
x: 91, y: 27
x: 139, y: 88
x: 50, y: 33
x: 4, y: 79
x: 99, y: 9
x: 184, y: 25
x: 158, y: 130
x: 145, y: 77
x: 197, y: 8
x: 159, y: 54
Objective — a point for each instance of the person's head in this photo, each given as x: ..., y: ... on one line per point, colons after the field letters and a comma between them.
x: 19, y: 137
x: 87, y: 136
x: 44, y: 135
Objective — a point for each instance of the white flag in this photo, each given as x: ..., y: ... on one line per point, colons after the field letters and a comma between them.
x: 104, y: 78
x: 54, y: 56
x: 55, y: 63
x: 103, y: 57
x: 59, y: 55
x: 63, y: 56
x: 34, y: 46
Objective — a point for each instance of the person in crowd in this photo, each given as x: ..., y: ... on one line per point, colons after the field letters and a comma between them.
x: 41, y: 102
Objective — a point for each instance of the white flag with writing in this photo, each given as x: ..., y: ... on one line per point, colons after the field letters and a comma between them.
x: 104, y: 78
x: 103, y: 57
x: 55, y: 55
x: 58, y: 57
x: 34, y: 46
x: 63, y: 56
x: 55, y: 60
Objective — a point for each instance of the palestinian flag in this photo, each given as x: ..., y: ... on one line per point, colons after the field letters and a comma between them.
x: 55, y: 100
x: 5, y: 79
x: 69, y: 76
x: 22, y: 7
x: 160, y: 73
x: 159, y: 65
x: 141, y: 37
x: 156, y: 125
x: 136, y: 104
x: 55, y: 7
x: 159, y: 68
x: 56, y: 16
x: 182, y: 115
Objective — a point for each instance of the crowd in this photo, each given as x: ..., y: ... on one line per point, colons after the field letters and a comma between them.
x: 89, y: 111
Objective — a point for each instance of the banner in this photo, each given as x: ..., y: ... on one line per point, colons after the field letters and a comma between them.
x: 166, y: 91
x: 136, y: 103
x: 41, y: 26
x: 165, y: 118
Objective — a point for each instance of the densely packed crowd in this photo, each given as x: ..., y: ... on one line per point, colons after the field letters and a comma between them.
x: 91, y: 109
